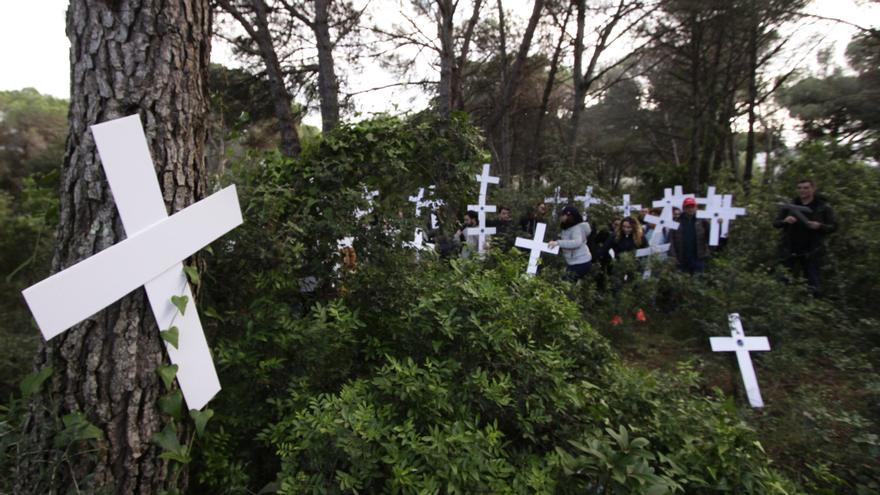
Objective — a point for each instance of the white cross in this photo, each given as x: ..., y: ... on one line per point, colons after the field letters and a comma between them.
x: 654, y: 246
x: 419, y: 201
x: 587, y: 199
x: 723, y: 211
x: 485, y: 179
x: 537, y: 246
x: 665, y: 219
x: 625, y: 208
x: 150, y: 256
x: 418, y: 243
x: 368, y: 196
x: 481, y: 230
x: 711, y: 197
x: 673, y: 197
x: 739, y: 343
x: 433, y: 204
x: 557, y: 198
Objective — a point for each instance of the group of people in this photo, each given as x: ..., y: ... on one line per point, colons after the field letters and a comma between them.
x: 804, y: 222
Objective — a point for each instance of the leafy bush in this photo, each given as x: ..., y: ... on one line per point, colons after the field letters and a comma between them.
x: 486, y: 380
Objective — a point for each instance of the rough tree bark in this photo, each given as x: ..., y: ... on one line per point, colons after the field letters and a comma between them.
x: 148, y: 57
x: 258, y: 29
x: 328, y: 86
x: 545, y: 104
x: 445, y: 26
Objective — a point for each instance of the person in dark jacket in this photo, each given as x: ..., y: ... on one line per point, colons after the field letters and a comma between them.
x: 628, y: 236
x: 803, y: 242
x: 690, y: 243
x: 537, y: 215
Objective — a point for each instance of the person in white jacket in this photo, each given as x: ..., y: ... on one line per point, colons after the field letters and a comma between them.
x: 573, y: 243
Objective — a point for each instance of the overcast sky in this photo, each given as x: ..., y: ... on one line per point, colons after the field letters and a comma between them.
x: 34, y: 48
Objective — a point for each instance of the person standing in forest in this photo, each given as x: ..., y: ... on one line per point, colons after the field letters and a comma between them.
x: 537, y: 215
x: 573, y: 243
x: 803, y: 236
x: 690, y: 243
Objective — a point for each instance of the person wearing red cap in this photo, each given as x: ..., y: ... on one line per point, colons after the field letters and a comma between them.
x: 690, y: 243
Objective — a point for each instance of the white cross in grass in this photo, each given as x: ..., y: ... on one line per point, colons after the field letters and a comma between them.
x: 739, y: 343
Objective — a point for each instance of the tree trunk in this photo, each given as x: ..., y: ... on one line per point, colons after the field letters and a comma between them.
x: 445, y: 13
x: 290, y: 145
x: 328, y: 87
x: 545, y: 103
x: 131, y: 56
x: 753, y: 97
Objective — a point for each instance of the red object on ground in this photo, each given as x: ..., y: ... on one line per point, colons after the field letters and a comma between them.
x: 617, y: 320
x: 640, y: 315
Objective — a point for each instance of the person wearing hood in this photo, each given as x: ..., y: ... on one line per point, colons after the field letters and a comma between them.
x: 573, y: 243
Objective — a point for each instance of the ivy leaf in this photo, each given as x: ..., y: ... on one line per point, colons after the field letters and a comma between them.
x: 210, y: 311
x: 77, y: 427
x: 201, y: 419
x: 192, y: 274
x: 32, y: 383
x: 172, y: 404
x: 180, y: 303
x: 171, y: 336
x: 170, y: 445
x: 167, y: 374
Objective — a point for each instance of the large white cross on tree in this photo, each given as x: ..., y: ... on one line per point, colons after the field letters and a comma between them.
x: 739, y: 343
x: 537, y: 246
x: 150, y: 256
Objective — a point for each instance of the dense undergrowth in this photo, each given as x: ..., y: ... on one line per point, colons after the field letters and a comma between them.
x: 407, y: 373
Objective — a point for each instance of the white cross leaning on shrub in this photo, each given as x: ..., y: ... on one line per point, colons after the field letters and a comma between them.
x: 150, y: 256
x: 537, y: 246
x: 739, y: 343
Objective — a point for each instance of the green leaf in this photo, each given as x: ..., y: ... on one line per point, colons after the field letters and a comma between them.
x: 167, y: 374
x: 171, y: 336
x: 210, y: 311
x: 77, y: 427
x: 201, y: 419
x: 32, y: 383
x: 192, y: 274
x: 170, y: 445
x: 172, y: 404
x: 209, y: 249
x: 180, y: 303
